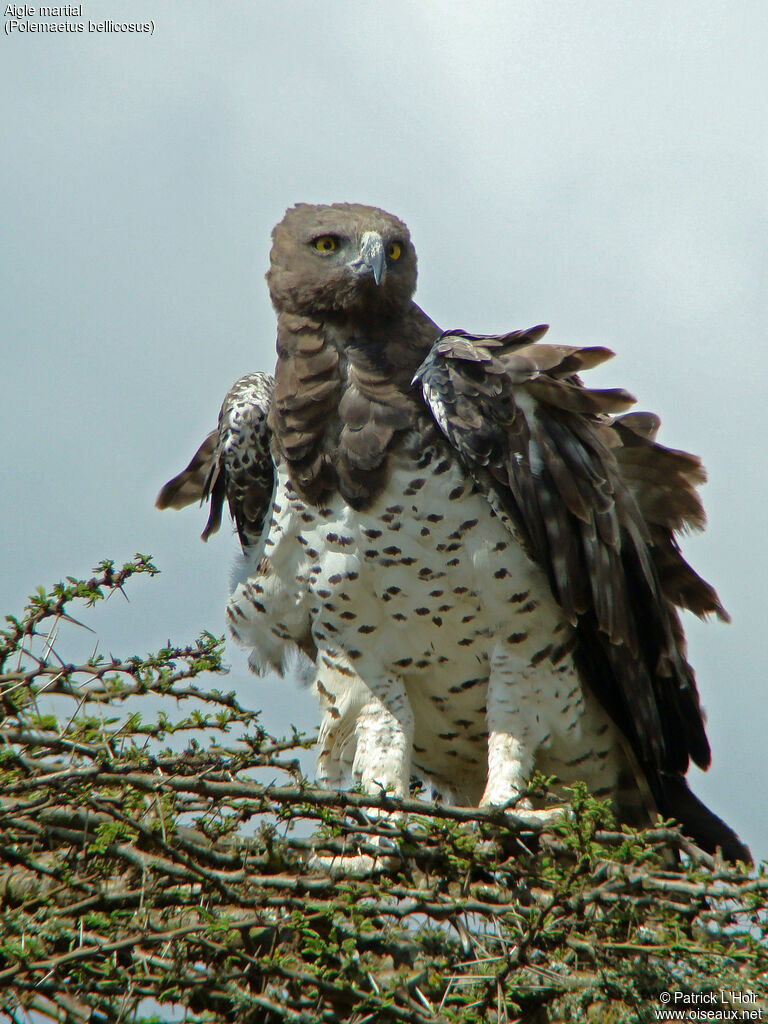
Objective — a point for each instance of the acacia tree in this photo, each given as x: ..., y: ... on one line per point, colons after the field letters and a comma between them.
x: 163, y: 858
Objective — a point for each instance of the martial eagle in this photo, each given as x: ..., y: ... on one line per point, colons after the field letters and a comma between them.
x: 477, y: 552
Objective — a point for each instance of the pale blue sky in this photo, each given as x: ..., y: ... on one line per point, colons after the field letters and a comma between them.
x: 600, y: 167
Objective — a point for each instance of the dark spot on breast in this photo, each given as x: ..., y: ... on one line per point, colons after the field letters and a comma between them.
x: 366, y: 629
x: 452, y: 562
x: 425, y: 573
x: 336, y: 578
x: 393, y: 590
x: 539, y: 656
x: 407, y: 560
x: 447, y: 735
x: 435, y: 593
x: 392, y: 550
x: 437, y: 620
x: 415, y: 485
x: 348, y: 616
x: 442, y: 467
x: 562, y: 650
x: 424, y: 531
x: 422, y: 611
x: 373, y: 534
x: 466, y: 641
x: 467, y: 618
x: 529, y: 607
x: 403, y: 662
x: 399, y: 616
x: 422, y: 663
x: 516, y: 638
x: 457, y: 492
x: 468, y: 684
x: 371, y: 553
x: 434, y: 517
x: 468, y: 524
x: 395, y: 509
x: 500, y: 574
x: 517, y: 598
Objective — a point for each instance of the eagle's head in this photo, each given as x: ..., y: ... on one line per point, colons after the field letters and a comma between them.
x: 342, y: 259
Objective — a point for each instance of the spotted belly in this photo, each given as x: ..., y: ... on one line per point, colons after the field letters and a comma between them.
x: 431, y: 588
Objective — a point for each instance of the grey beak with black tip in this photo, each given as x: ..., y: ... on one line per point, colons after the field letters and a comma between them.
x: 372, y: 256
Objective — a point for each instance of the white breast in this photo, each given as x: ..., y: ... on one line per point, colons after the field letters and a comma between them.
x: 430, y: 587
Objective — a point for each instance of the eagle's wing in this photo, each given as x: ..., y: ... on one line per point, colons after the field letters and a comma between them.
x: 596, y: 502
x: 234, y: 462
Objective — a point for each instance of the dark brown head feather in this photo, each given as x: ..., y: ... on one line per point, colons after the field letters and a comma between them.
x: 304, y: 281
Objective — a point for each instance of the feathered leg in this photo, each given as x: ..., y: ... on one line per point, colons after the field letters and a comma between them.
x: 515, y: 732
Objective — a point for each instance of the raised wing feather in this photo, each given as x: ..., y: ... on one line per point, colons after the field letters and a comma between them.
x: 597, y: 502
x: 233, y: 463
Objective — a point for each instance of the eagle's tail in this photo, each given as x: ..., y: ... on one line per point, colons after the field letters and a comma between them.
x: 702, y: 825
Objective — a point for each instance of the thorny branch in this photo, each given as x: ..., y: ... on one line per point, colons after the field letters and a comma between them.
x: 158, y: 847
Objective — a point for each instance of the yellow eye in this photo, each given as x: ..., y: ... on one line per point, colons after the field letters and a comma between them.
x: 394, y: 250
x: 325, y: 243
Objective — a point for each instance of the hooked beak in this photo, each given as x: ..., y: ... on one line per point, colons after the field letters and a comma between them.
x: 371, y: 258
